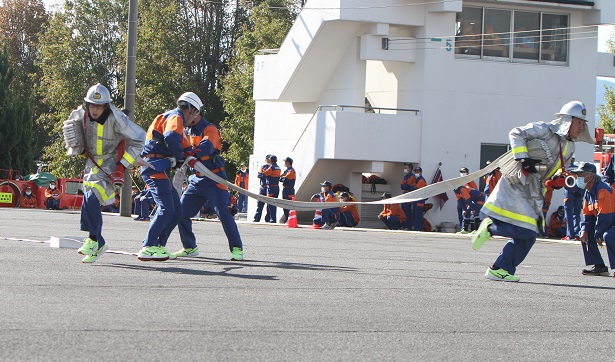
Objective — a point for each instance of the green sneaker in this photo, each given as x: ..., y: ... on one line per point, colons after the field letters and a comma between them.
x: 164, y: 251
x: 92, y: 257
x: 237, y: 254
x: 462, y: 232
x: 151, y: 253
x: 187, y: 252
x: 501, y: 275
x: 88, y: 247
x: 482, y: 234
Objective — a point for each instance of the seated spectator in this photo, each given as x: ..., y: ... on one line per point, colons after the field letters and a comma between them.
x: 28, y: 200
x: 114, y: 207
x: 392, y: 215
x: 330, y: 216
x: 349, y: 215
x: 557, y: 225
x: 317, y: 222
x: 144, y: 202
x: 52, y: 197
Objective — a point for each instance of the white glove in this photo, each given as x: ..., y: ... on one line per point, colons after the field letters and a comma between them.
x: 142, y: 198
x: 73, y: 137
x: 179, y: 178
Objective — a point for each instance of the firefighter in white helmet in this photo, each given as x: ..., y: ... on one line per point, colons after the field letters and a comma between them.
x: 514, y: 208
x: 111, y: 142
x: 165, y: 148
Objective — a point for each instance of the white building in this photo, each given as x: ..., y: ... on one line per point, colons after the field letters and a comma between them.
x: 439, y: 94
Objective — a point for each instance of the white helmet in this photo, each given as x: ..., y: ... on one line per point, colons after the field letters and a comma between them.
x: 192, y: 99
x: 574, y: 109
x: 98, y: 94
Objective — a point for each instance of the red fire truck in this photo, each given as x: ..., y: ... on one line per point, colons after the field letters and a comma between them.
x: 12, y: 187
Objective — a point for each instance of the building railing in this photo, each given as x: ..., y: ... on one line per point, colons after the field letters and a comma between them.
x: 341, y: 108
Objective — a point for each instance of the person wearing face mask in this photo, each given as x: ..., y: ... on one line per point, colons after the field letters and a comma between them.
x: 598, y: 224
x: 28, y: 200
x: 514, y: 208
x: 166, y: 147
x: 52, y: 197
x: 99, y: 130
x: 241, y: 180
x: 557, y: 225
x: 408, y: 183
x: 418, y: 207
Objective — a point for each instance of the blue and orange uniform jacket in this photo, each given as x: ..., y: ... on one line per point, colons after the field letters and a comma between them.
x: 470, y: 194
x: 288, y: 178
x: 408, y: 183
x: 353, y: 211
x: 420, y: 183
x: 241, y: 179
x: 393, y: 210
x: 28, y: 201
x: 330, y: 197
x: 491, y: 180
x: 470, y: 184
x: 205, y: 138
x: 272, y: 178
x: 165, y: 138
x: 598, y: 209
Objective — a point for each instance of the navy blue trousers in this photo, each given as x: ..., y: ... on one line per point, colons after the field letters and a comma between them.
x: 197, y: 193
x: 91, y: 216
x: 167, y: 214
x: 518, y: 246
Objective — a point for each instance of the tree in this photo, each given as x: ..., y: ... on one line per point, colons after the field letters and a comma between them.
x: 84, y: 45
x: 606, y: 111
x: 21, y: 24
x: 268, y: 24
x: 15, y: 121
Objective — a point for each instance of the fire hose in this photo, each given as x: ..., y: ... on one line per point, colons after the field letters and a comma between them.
x: 416, y: 195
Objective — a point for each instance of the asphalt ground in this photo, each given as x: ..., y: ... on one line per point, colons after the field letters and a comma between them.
x: 300, y: 295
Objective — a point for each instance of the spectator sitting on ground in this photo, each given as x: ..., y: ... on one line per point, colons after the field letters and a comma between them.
x: 392, y: 215
x: 557, y: 226
x: 52, y: 197
x: 330, y: 216
x: 318, y: 220
x: 349, y: 216
x: 28, y: 200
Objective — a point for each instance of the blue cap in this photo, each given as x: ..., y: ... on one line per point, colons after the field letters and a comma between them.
x: 583, y: 167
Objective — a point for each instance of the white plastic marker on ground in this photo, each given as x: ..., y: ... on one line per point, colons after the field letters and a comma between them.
x: 420, y: 194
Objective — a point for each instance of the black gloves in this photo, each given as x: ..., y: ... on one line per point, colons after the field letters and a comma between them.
x: 529, y: 165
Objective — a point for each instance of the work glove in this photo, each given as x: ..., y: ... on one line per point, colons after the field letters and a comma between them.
x: 529, y: 165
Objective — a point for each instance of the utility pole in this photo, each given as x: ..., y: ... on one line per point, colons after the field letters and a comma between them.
x: 129, y: 99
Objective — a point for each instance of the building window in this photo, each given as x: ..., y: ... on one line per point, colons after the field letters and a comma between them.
x: 509, y: 35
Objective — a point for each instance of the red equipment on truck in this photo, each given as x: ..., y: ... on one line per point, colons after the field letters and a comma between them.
x: 12, y: 187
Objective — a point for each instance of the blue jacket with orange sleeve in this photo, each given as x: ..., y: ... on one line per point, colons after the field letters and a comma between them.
x: 598, y: 209
x: 288, y: 178
x: 272, y: 175
x: 469, y: 194
x: 241, y: 179
x: 207, y: 143
x: 408, y: 182
x: 165, y: 138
